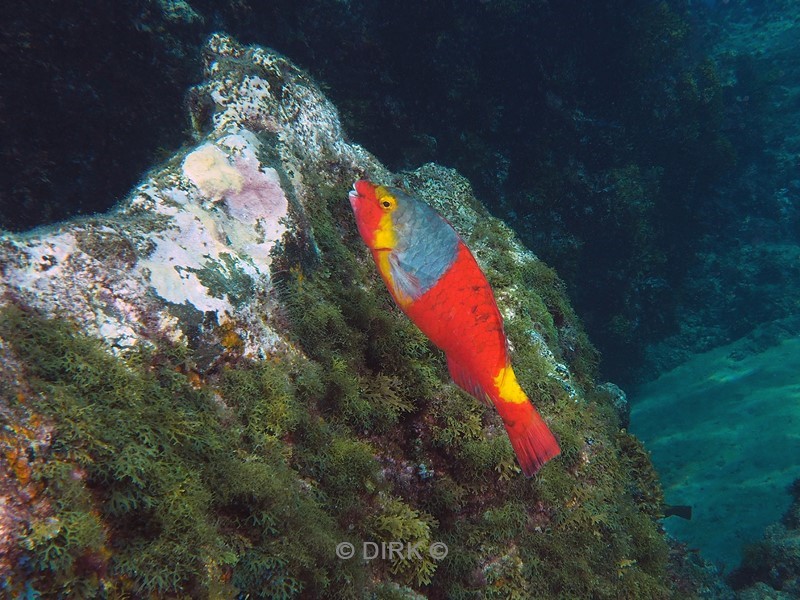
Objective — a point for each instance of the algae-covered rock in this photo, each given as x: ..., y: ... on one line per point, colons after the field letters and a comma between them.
x: 189, y: 250
x: 208, y: 392
x: 771, y: 567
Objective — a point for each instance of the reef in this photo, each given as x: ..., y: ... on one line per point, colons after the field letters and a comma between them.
x: 207, y: 390
x: 631, y: 181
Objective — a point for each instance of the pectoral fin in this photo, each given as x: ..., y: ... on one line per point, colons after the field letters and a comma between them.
x: 406, y: 285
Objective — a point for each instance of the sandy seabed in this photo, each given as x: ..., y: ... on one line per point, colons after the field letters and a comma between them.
x: 724, y: 431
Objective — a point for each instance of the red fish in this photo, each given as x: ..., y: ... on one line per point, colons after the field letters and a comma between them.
x: 434, y: 279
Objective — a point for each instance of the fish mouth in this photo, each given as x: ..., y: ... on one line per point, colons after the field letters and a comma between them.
x: 353, y: 196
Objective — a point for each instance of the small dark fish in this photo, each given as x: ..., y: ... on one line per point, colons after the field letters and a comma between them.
x: 679, y: 510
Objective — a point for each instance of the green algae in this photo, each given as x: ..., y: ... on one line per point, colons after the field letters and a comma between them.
x: 599, y: 497
x: 171, y: 489
x: 243, y: 483
x: 225, y: 279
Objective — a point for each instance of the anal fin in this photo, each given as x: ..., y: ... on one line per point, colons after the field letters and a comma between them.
x: 466, y: 382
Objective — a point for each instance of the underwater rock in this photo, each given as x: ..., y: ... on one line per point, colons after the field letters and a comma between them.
x: 179, y: 11
x: 24, y: 439
x: 263, y: 403
x: 771, y: 568
x: 619, y: 401
x: 188, y: 251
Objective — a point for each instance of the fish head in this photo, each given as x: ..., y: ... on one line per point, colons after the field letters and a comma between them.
x: 375, y: 207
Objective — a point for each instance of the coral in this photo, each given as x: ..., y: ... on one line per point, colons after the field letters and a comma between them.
x: 208, y: 168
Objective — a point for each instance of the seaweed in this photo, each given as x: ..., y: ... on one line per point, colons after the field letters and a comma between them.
x: 154, y: 488
x: 244, y: 481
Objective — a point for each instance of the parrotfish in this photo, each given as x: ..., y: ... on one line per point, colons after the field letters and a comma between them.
x: 435, y: 280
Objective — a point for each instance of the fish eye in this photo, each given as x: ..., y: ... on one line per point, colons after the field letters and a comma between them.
x: 388, y: 203
x: 385, y: 199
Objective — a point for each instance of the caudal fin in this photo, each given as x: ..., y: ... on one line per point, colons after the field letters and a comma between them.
x: 532, y: 440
